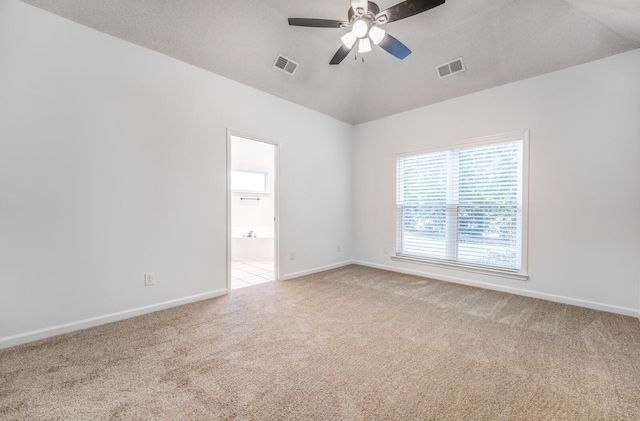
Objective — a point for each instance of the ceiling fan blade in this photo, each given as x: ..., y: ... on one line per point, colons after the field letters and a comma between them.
x: 408, y: 8
x: 341, y: 54
x: 359, y: 4
x: 394, y: 47
x: 316, y: 23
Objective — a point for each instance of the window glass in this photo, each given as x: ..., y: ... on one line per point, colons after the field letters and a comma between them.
x: 249, y: 181
x: 462, y: 205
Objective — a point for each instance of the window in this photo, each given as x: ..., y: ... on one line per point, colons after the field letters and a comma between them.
x: 464, y: 206
x: 250, y: 181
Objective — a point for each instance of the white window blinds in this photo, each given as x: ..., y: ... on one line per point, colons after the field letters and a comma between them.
x: 462, y: 205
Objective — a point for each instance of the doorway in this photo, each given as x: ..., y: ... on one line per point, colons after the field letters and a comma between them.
x: 252, y: 199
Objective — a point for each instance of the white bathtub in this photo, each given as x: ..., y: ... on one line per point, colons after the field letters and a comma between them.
x: 258, y: 247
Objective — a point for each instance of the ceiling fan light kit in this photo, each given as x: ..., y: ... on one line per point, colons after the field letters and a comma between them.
x: 364, y: 46
x: 363, y: 18
x: 349, y: 39
x: 376, y: 34
x: 360, y: 28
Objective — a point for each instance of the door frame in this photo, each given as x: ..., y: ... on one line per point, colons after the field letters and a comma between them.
x: 276, y: 201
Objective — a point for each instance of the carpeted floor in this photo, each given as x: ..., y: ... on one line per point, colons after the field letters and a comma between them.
x: 349, y: 344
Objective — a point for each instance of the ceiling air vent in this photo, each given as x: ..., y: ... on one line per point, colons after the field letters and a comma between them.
x: 451, y: 68
x: 285, y: 64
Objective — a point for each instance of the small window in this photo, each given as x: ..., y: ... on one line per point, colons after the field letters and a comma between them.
x: 464, y: 206
x: 250, y: 181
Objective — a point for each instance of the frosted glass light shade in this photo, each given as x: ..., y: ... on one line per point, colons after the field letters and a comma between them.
x: 349, y: 39
x: 364, y: 45
x: 360, y: 28
x: 376, y: 34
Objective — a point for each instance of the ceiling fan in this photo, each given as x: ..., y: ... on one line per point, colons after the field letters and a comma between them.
x: 364, y: 19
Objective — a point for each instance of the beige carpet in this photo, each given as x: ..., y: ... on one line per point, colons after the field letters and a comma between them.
x: 352, y: 343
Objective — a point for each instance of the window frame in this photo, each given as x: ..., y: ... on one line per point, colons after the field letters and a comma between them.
x: 522, y: 274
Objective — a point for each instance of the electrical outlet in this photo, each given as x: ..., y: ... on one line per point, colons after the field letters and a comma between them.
x: 338, y: 249
x: 385, y: 251
x: 149, y: 279
x: 292, y: 255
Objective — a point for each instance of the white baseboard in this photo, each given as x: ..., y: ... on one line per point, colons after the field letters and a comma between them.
x: 517, y: 291
x: 315, y: 270
x: 35, y: 335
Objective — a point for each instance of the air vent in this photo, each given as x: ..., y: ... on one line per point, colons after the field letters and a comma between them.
x: 451, y: 68
x: 285, y: 64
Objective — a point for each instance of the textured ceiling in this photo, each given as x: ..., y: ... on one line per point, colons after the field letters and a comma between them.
x: 501, y: 41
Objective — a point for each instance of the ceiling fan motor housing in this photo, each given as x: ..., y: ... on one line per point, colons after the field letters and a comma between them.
x: 372, y: 11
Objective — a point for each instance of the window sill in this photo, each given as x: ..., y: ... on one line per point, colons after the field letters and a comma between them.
x: 519, y: 276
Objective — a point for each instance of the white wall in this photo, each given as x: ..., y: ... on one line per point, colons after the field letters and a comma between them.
x: 113, y: 163
x: 584, y: 230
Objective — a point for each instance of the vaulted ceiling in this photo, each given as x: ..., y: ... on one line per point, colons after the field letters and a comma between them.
x: 501, y: 41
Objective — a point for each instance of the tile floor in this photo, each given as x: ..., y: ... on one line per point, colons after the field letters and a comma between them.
x: 245, y: 273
